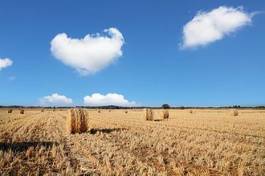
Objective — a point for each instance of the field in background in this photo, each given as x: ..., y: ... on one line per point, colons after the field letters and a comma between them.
x: 197, y: 142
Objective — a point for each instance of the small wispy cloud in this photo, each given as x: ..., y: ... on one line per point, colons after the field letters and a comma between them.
x: 56, y: 100
x: 11, y: 78
x: 97, y: 99
x: 5, y: 62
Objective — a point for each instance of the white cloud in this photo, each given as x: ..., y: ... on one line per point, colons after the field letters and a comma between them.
x: 97, y: 99
x: 5, y: 62
x: 89, y: 54
x: 208, y: 27
x: 56, y: 100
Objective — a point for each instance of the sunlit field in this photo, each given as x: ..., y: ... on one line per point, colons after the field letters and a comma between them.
x: 122, y: 142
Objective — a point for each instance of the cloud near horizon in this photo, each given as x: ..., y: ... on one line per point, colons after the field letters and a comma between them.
x: 56, y: 100
x: 97, y: 99
x: 90, y: 54
x: 208, y: 27
x: 5, y: 62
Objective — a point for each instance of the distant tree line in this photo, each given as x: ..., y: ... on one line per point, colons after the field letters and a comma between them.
x: 164, y: 106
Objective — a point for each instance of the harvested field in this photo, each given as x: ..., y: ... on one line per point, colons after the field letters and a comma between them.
x: 204, y: 142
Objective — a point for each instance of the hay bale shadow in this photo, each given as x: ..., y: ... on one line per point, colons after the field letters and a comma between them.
x: 105, y: 130
x: 23, y: 146
x: 158, y: 120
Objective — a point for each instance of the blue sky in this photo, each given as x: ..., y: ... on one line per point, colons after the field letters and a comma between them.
x: 149, y: 67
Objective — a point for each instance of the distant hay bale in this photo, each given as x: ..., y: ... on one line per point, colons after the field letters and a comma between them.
x: 77, y: 121
x: 191, y: 111
x: 235, y: 112
x: 42, y: 110
x: 22, y: 111
x: 126, y: 112
x: 10, y: 111
x: 149, y: 115
x: 98, y: 111
x: 165, y: 114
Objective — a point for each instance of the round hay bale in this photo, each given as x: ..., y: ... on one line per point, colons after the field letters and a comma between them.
x: 10, y: 111
x: 22, y: 111
x: 165, y: 114
x: 191, y: 111
x: 126, y: 112
x: 77, y: 121
x: 235, y: 112
x: 149, y: 115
